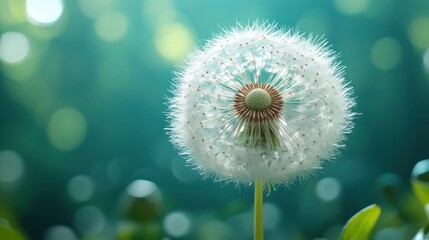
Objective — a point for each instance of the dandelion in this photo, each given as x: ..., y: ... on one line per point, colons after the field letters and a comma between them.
x: 260, y: 105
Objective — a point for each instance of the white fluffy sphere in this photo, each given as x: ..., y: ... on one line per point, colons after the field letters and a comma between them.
x: 260, y: 103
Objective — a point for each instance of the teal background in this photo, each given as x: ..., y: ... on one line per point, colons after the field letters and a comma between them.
x: 88, y: 99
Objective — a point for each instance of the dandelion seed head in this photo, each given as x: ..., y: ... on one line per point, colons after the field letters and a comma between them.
x: 260, y: 103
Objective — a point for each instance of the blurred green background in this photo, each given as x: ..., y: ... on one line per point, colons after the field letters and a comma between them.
x: 83, y: 150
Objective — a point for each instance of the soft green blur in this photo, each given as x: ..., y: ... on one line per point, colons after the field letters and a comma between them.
x: 83, y: 149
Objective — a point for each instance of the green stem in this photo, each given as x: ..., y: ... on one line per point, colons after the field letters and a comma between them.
x: 259, y: 226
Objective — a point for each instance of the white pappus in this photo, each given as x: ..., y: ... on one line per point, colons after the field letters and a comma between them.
x: 258, y: 102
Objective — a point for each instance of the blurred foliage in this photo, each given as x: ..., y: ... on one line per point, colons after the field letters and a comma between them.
x: 82, y: 102
x: 423, y: 234
x: 420, y: 185
x: 359, y: 227
x: 420, y: 181
x: 7, y: 232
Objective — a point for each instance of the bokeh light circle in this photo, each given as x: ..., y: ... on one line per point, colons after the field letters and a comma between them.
x: 11, y: 166
x: 141, y: 188
x: 90, y: 220
x: 177, y: 224
x: 351, y: 7
x: 173, y: 41
x: 386, y: 53
x: 111, y: 26
x: 60, y: 232
x: 215, y: 230
x: 417, y: 32
x: 14, y: 47
x: 80, y: 188
x: 156, y: 12
x: 93, y: 8
x: 66, y: 129
x: 328, y: 189
x: 44, y: 12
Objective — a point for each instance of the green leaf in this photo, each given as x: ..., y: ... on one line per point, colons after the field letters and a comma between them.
x: 7, y: 232
x: 420, y: 181
x: 421, y: 189
x: 361, y: 224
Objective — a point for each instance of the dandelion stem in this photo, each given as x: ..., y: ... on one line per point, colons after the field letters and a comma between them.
x: 258, y: 218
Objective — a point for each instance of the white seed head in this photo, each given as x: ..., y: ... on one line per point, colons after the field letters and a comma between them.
x: 260, y: 103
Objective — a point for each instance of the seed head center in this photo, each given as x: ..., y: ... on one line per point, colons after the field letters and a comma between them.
x: 258, y: 99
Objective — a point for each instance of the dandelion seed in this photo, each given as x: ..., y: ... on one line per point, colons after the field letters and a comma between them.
x: 268, y: 104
